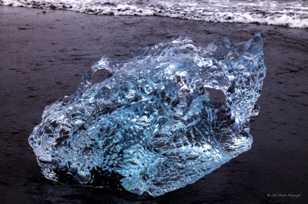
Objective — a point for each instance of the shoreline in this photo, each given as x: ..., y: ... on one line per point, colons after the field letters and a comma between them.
x: 44, y: 54
x: 293, y: 14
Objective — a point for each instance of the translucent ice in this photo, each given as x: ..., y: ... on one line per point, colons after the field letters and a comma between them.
x: 157, y: 122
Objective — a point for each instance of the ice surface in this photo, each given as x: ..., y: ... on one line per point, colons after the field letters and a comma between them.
x: 157, y: 122
x: 293, y: 13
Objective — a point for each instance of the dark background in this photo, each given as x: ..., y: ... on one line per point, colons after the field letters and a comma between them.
x: 42, y: 58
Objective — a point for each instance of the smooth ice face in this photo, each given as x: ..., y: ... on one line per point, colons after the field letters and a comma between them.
x: 159, y: 121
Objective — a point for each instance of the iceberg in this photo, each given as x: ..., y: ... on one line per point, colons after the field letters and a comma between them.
x: 155, y: 122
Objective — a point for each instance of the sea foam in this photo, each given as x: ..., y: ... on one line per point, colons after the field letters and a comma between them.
x: 292, y: 13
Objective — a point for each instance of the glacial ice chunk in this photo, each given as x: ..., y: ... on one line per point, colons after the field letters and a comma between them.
x: 156, y: 122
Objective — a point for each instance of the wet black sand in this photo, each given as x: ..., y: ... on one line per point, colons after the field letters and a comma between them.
x: 42, y: 56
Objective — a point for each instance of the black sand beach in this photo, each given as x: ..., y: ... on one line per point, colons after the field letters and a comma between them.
x: 44, y: 53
